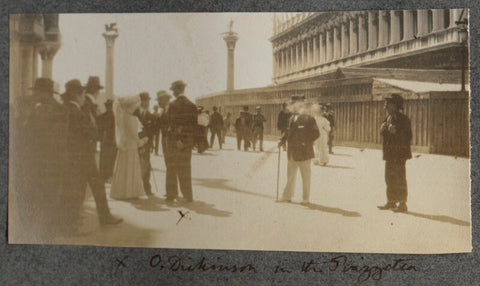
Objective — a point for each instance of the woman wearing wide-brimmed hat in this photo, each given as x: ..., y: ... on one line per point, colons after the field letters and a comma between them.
x: 127, y: 182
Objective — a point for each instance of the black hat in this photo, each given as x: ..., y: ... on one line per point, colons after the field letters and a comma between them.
x: 93, y: 83
x: 108, y: 102
x: 296, y: 98
x: 395, y: 99
x: 44, y: 84
x: 144, y: 96
x: 178, y: 84
x: 245, y: 108
x: 74, y: 86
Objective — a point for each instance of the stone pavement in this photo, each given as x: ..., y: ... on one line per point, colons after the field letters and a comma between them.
x: 235, y: 207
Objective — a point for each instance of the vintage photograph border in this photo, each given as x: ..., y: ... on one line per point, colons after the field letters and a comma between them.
x: 88, y: 265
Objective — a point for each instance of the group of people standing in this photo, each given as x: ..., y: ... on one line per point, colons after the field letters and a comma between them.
x: 306, y: 136
x: 249, y: 129
x: 175, y: 121
x: 58, y: 137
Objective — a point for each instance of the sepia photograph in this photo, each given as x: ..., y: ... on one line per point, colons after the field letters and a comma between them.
x: 339, y: 131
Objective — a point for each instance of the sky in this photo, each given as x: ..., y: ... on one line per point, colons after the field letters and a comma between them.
x: 153, y: 50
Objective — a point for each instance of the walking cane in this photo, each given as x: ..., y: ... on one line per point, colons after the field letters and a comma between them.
x: 278, y: 168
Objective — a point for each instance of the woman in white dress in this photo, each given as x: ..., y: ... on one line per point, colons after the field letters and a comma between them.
x: 321, y: 144
x: 127, y: 180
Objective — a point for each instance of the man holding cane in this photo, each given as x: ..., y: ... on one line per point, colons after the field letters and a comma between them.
x: 302, y: 131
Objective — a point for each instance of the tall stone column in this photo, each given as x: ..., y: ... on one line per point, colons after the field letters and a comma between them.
x: 230, y: 39
x: 328, y: 50
x: 372, y: 30
x: 382, y: 28
x: 395, y: 26
x: 297, y: 56
x: 110, y: 35
x: 275, y: 64
x: 454, y: 14
x: 292, y: 59
x: 422, y: 22
x: 336, y: 43
x: 408, y: 28
x: 353, y: 36
x: 438, y: 19
x: 362, y: 34
x: 307, y: 52
x: 321, y: 48
x: 344, y: 40
x: 315, y: 50
x: 302, y: 55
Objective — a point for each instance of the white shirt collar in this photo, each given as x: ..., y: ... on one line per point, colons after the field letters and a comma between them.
x: 75, y: 103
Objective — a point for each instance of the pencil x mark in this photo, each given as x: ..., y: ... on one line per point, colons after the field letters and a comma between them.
x: 182, y: 215
x: 121, y: 263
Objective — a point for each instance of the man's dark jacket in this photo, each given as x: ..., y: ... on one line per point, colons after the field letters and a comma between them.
x: 300, y: 136
x: 396, y: 147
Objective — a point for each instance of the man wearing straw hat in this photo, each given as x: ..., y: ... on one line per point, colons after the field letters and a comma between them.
x: 182, y: 120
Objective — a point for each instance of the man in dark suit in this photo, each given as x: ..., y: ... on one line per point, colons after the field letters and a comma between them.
x: 182, y: 117
x: 148, y: 122
x: 302, y: 131
x: 108, y: 145
x: 216, y: 126
x: 249, y: 126
x: 82, y: 144
x: 397, y: 135
x: 39, y: 190
x: 283, y: 119
x: 258, y: 121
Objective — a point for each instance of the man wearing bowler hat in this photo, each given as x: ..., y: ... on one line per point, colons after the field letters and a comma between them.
x: 301, y: 133
x: 82, y: 140
x: 147, y: 120
x: 397, y: 136
x: 182, y: 117
x: 44, y: 164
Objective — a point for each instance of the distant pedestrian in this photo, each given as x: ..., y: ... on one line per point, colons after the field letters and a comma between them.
x: 242, y: 129
x: 258, y: 120
x: 330, y: 115
x: 321, y: 144
x: 397, y: 135
x: 227, y: 123
x: 216, y: 127
x: 302, y: 131
x: 282, y: 120
x: 249, y: 124
x: 201, y: 130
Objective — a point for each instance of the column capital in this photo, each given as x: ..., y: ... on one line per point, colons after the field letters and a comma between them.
x: 48, y: 50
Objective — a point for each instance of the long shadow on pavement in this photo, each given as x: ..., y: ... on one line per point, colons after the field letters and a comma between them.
x: 222, y: 184
x: 440, y: 218
x: 205, y: 208
x: 341, y: 155
x: 337, y: 167
x: 333, y: 210
x: 152, y: 204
